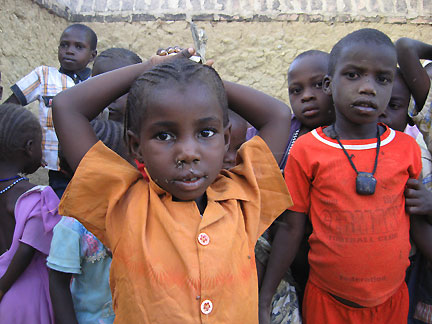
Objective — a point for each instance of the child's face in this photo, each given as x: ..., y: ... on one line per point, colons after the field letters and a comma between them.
x: 311, y: 106
x: 237, y: 138
x: 396, y: 113
x: 182, y: 140
x: 362, y: 83
x: 74, y: 52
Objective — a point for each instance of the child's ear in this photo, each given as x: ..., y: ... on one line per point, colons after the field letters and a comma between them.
x: 327, y: 85
x: 133, y: 146
x: 29, y: 148
x: 227, y: 136
x: 93, y: 55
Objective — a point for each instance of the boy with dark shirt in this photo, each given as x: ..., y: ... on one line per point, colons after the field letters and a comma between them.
x: 77, y: 48
x: 349, y: 179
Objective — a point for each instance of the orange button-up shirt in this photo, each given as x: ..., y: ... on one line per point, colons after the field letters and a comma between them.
x: 170, y: 265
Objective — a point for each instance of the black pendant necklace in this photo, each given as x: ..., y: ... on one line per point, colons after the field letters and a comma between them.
x: 365, y: 181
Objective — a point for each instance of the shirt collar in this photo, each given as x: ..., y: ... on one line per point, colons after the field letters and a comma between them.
x: 79, y: 76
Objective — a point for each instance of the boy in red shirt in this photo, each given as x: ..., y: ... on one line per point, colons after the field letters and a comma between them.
x: 349, y: 178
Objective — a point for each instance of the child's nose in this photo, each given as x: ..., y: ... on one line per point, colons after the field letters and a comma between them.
x: 367, y: 86
x: 188, y: 153
x: 308, y: 95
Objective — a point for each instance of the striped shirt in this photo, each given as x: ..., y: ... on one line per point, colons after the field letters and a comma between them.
x: 42, y: 84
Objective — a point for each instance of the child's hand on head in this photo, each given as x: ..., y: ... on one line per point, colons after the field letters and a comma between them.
x: 171, y: 53
x: 418, y: 200
x: 176, y: 49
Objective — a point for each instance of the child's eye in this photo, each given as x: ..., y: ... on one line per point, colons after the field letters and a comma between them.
x: 318, y: 85
x: 393, y: 105
x: 79, y: 46
x: 207, y: 133
x: 294, y: 91
x: 352, y: 75
x: 164, y: 136
x: 383, y: 79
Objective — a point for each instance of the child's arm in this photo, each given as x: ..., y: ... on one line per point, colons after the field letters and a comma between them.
x: 290, y: 231
x: 19, y: 263
x: 267, y: 114
x: 74, y: 107
x: 409, y: 52
x: 13, y: 99
x: 59, y: 286
x: 418, y: 200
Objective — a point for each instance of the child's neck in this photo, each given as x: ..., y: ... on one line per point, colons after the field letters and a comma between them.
x: 356, y: 131
x: 201, y: 203
x: 8, y: 170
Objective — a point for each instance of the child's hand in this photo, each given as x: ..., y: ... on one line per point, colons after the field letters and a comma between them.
x: 418, y: 200
x: 163, y: 55
x: 168, y: 51
x: 176, y: 49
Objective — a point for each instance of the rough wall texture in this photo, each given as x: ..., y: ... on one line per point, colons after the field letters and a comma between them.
x: 251, y: 53
x: 242, y: 10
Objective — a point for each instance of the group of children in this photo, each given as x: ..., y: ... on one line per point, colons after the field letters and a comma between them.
x: 180, y: 212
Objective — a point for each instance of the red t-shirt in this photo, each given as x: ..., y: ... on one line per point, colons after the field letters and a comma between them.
x: 360, y: 244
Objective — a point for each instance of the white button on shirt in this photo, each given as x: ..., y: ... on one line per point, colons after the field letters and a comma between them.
x: 206, y: 307
x: 203, y: 239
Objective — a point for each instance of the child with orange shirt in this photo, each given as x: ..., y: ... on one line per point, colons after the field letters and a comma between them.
x: 349, y: 179
x: 182, y: 241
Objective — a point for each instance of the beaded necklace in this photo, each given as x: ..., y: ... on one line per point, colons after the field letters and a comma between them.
x: 12, y: 178
x: 12, y: 184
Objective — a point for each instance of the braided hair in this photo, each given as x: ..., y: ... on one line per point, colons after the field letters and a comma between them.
x: 17, y: 126
x: 179, y: 71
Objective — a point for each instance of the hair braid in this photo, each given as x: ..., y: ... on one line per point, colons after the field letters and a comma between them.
x: 181, y: 71
x: 17, y: 127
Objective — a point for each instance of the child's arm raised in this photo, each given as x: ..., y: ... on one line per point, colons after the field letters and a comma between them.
x: 76, y: 106
x: 409, y: 52
x: 270, y: 116
x: 19, y: 263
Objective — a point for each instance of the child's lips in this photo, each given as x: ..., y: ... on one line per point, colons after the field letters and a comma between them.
x: 310, y: 111
x: 364, y: 105
x: 190, y: 182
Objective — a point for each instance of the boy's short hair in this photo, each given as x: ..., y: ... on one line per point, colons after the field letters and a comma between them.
x: 91, y: 35
x: 307, y: 54
x: 365, y: 36
x: 115, y: 58
x: 181, y: 71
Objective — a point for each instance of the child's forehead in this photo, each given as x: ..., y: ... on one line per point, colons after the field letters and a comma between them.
x: 76, y: 35
x: 181, y: 99
x: 309, y: 66
x: 359, y: 52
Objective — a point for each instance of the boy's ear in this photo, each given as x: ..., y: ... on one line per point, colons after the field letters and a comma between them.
x: 29, y: 148
x: 227, y: 136
x: 133, y: 146
x: 327, y: 85
x: 93, y: 55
